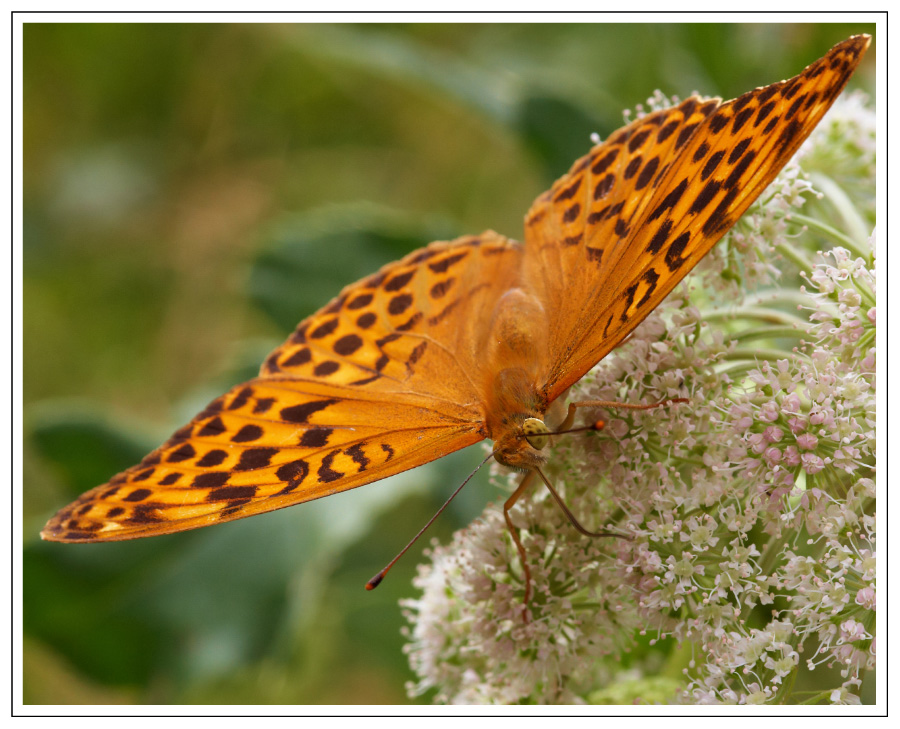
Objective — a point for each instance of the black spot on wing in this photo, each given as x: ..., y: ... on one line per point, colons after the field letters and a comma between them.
x: 230, y: 493
x: 660, y: 237
x: 212, y: 458
x: 315, y: 437
x: 324, y: 329
x: 358, y: 302
x: 241, y: 398
x: 211, y: 480
x: 293, y: 472
x: 247, y: 434
x: 399, y: 281
x: 301, y: 413
x: 674, y: 259
x: 298, y: 358
x: 646, y: 174
x: 572, y: 213
x: 255, y: 458
x: 212, y: 428
x: 670, y: 201
x: 399, y: 304
x: 706, y: 196
x: 323, y: 369
x: 602, y: 164
x: 569, y: 192
x: 326, y: 473
x: 347, y: 345
x: 444, y: 264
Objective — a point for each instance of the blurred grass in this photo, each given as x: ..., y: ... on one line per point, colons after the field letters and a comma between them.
x: 190, y: 193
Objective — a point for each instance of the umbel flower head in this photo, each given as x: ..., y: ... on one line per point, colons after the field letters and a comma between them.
x: 751, y: 572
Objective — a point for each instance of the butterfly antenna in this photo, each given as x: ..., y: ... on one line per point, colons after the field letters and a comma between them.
x: 376, y: 580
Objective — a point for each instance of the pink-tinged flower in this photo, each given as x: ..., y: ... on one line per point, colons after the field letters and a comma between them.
x: 769, y: 411
x: 756, y: 695
x: 792, y: 404
x: 812, y: 463
x: 866, y: 598
x: 821, y: 414
x: 666, y: 530
x: 791, y: 456
x: 701, y: 531
x: 823, y: 279
x: 866, y: 564
x: 850, y: 332
x: 849, y: 298
x: 852, y: 630
x: 844, y: 696
x: 757, y: 442
x: 807, y: 441
x: 782, y: 665
x: 743, y: 423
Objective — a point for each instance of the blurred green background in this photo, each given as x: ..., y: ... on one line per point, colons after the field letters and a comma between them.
x: 190, y: 193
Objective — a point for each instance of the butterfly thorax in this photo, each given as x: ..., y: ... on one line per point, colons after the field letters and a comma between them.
x: 516, y: 350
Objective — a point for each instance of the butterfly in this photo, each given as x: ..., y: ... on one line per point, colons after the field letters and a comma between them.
x: 473, y: 338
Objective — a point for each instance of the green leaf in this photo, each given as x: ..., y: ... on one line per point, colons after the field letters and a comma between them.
x: 84, y: 447
x: 309, y: 257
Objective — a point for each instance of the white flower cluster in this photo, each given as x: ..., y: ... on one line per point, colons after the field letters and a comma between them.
x: 751, y: 570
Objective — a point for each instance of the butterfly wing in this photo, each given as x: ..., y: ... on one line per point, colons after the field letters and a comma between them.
x: 612, y: 238
x: 377, y: 382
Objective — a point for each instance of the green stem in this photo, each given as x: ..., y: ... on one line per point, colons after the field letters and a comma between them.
x: 834, y: 234
x: 817, y: 697
x: 586, y: 606
x: 787, y: 686
x: 756, y: 355
x: 866, y: 340
x: 785, y: 297
x: 760, y: 313
x: 792, y: 254
x: 835, y: 196
x: 768, y: 333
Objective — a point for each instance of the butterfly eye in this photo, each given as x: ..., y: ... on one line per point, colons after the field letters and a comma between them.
x: 535, y: 433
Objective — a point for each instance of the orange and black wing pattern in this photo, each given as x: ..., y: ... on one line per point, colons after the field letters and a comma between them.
x: 615, y: 235
x: 377, y: 382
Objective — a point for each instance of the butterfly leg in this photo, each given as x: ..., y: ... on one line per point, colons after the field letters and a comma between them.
x: 571, y: 517
x: 514, y: 531
x: 510, y: 502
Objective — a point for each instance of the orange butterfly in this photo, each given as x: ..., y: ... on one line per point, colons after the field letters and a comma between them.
x: 473, y: 338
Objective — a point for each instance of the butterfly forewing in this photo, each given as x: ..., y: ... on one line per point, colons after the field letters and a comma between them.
x: 723, y: 158
x: 577, y: 232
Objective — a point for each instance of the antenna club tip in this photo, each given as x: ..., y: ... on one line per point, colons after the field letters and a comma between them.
x: 375, y: 581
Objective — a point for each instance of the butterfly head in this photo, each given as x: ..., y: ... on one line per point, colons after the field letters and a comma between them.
x: 520, y: 444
